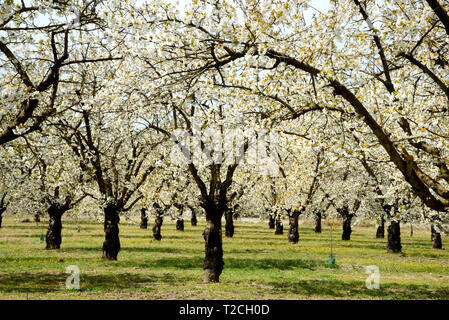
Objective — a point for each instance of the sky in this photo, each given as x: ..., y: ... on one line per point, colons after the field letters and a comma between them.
x: 321, y: 5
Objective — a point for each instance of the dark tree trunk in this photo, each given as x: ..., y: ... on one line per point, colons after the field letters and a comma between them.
x: 53, y: 237
x: 157, y: 227
x: 180, y: 224
x: 37, y: 217
x: 271, y: 221
x: 293, y: 235
x: 279, y: 226
x: 143, y: 219
x: 347, y: 219
x: 193, y: 219
x: 318, y: 222
x: 380, y: 233
x: 1, y: 215
x: 111, y: 245
x: 347, y: 230
x: 213, y: 260
x: 436, y: 238
x: 229, y: 227
x: 394, y: 237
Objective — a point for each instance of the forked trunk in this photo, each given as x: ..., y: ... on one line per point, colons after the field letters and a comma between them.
x: 157, y: 227
x: 143, y: 219
x: 436, y: 238
x: 347, y: 230
x: 180, y: 224
x: 380, y: 233
x: 293, y: 235
x: 213, y: 260
x: 318, y: 222
x: 271, y: 221
x: 394, y: 237
x: 229, y: 227
x: 53, y: 237
x: 111, y: 245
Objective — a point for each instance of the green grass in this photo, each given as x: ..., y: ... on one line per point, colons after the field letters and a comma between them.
x: 258, y: 264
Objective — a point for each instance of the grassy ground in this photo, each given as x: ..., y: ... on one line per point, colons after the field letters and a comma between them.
x: 258, y: 264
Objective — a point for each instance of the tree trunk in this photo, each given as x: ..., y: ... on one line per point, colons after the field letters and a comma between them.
x: 271, y: 221
x: 53, y: 237
x: 111, y: 245
x: 229, y: 227
x: 318, y: 222
x: 180, y: 224
x: 193, y: 219
x: 436, y: 238
x: 157, y: 227
x: 1, y: 215
x: 37, y: 217
x: 347, y: 230
x: 394, y: 237
x: 279, y: 226
x: 143, y: 219
x: 213, y: 261
x: 380, y: 233
x: 293, y: 235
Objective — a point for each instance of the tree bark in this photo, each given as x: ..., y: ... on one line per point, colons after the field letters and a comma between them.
x: 37, y: 217
x: 436, y: 238
x: 347, y: 219
x: 229, y: 227
x: 271, y: 221
x: 279, y: 226
x: 193, y: 219
x: 143, y: 219
x: 180, y: 224
x: 380, y: 233
x: 53, y: 237
x: 347, y: 230
x: 318, y: 221
x: 111, y: 245
x: 213, y: 261
x: 394, y: 237
x: 1, y: 215
x: 158, y: 223
x: 293, y: 235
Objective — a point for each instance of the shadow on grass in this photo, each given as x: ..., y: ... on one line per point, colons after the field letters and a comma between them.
x: 183, y: 260
x: 334, y: 288
x: 48, y: 282
x: 155, y: 249
x: 357, y: 289
x: 230, y: 263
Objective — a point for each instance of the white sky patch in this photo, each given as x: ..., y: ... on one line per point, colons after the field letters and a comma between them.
x: 316, y: 6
